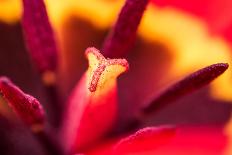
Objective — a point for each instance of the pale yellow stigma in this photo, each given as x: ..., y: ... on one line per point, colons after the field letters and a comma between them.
x: 103, y: 72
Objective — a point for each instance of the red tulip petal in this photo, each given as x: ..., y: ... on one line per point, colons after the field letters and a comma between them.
x: 227, y: 31
x: 144, y: 139
x: 92, y: 107
x: 39, y: 37
x: 195, y: 141
x: 123, y: 35
x: 217, y: 13
x: 166, y: 141
x: 190, y: 83
x: 27, y: 107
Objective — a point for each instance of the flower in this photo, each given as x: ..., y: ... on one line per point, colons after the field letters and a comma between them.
x: 90, y: 112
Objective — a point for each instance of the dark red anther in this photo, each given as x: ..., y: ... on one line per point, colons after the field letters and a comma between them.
x: 26, y: 107
x: 39, y: 35
x: 190, y: 83
x: 122, y: 36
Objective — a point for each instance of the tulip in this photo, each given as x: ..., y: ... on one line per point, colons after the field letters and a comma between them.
x: 163, y: 55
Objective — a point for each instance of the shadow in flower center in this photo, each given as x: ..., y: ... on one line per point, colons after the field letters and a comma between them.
x: 75, y: 36
x: 196, y: 109
x: 149, y: 65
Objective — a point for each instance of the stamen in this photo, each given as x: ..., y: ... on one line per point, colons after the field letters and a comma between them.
x: 27, y: 107
x: 122, y: 37
x: 31, y: 112
x: 42, y: 48
x: 39, y: 36
x: 189, y: 84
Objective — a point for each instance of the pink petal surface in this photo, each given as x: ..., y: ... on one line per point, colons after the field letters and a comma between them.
x: 186, y: 140
x: 195, y: 141
x: 144, y: 139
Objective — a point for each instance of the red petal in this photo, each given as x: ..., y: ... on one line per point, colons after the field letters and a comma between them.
x: 217, y: 13
x: 194, y: 141
x: 145, y: 139
x: 149, y: 138
x: 185, y: 141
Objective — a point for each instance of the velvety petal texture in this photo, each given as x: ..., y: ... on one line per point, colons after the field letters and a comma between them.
x: 167, y: 140
x: 145, y: 139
